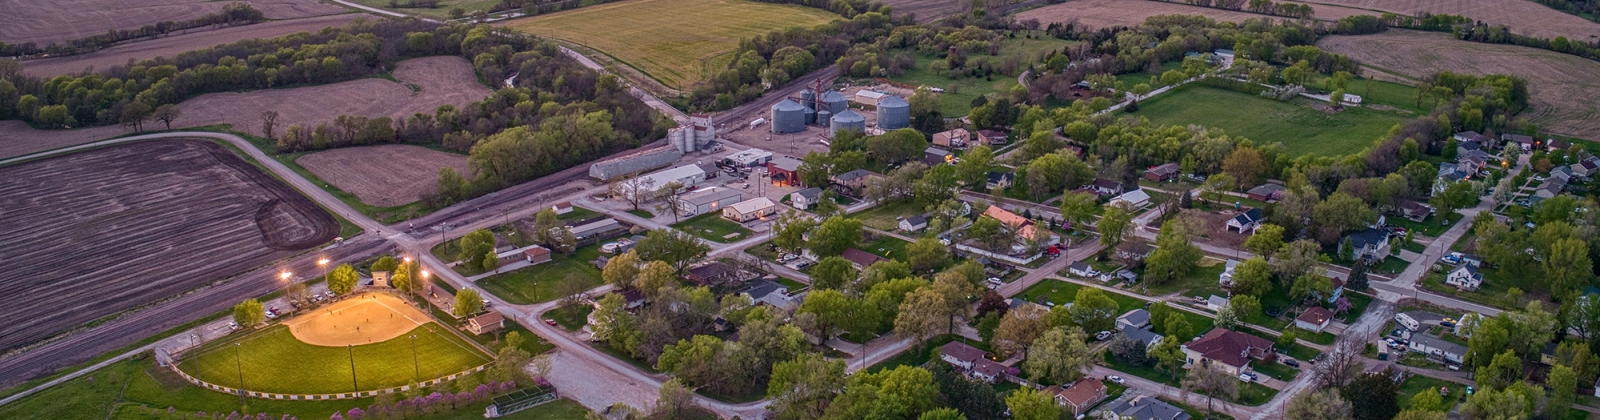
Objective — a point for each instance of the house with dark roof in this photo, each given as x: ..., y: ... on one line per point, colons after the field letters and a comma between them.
x: 765, y: 291
x: 1369, y: 243
x: 711, y: 273
x: 1137, y: 318
x: 1586, y: 168
x: 991, y: 137
x: 1227, y: 351
x: 1247, y: 220
x: 805, y: 198
x: 1557, y: 144
x: 1149, y: 338
x: 1527, y: 143
x: 486, y: 323
x: 1315, y: 319
x: 914, y: 223
x: 1078, y: 397
x: 1082, y: 269
x: 1105, y: 187
x: 1133, y: 249
x: 861, y: 259
x: 1142, y: 407
x: 1464, y: 277
x: 1413, y: 210
x: 1163, y: 173
x: 933, y: 156
x: 972, y: 361
x: 855, y: 180
x: 999, y: 180
x: 1266, y: 192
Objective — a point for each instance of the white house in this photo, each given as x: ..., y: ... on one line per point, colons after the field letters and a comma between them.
x: 1464, y: 277
x: 914, y: 223
x: 805, y: 198
x: 1370, y: 243
x: 1215, y: 303
x: 751, y: 209
x: 1137, y: 318
x: 1132, y: 199
x: 1082, y: 269
x: 1314, y: 319
x: 1248, y: 220
x: 1226, y: 279
x: 1437, y: 349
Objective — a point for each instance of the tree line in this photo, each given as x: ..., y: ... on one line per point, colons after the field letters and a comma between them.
x: 1266, y: 7
x: 238, y: 13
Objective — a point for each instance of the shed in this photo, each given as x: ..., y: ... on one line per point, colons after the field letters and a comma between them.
x: 1132, y: 199
x: 914, y: 223
x: 486, y: 323
x: 708, y: 200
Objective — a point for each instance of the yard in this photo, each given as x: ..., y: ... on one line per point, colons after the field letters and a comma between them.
x: 713, y: 227
x: 1427, y: 227
x: 1493, y: 292
x: 538, y: 283
x: 1250, y: 394
x: 1201, y: 281
x: 1301, y: 128
x: 957, y: 98
x: 1275, y: 370
x: 1061, y: 292
x: 886, y: 216
x: 1418, y: 383
x: 570, y: 318
x: 888, y: 247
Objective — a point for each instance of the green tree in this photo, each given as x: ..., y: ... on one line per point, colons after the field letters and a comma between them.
x: 1427, y: 400
x: 166, y: 113
x: 468, y: 303
x: 1267, y: 240
x: 474, y: 246
x: 1502, y: 371
x: 922, y: 314
x: 1420, y: 415
x: 678, y: 248
x: 1078, y: 207
x: 902, y: 392
x: 1247, y: 307
x: 133, y: 114
x: 1030, y: 404
x: 803, y: 387
x: 1060, y: 355
x: 836, y: 235
x: 1318, y: 405
x: 833, y: 272
x: 55, y: 116
x: 832, y: 309
x: 342, y: 279
x: 1114, y: 222
x: 655, y: 276
x: 249, y: 313
x: 1372, y: 396
x: 1568, y: 266
x: 1491, y: 404
x: 790, y: 231
x: 1253, y: 277
x: 1178, y: 326
x: 1169, y: 356
x: 927, y: 255
x: 1093, y: 310
x: 1563, y: 383
x: 943, y: 414
x: 621, y: 271
x: 1175, y: 255
x: 613, y: 323
x: 491, y: 262
x: 1018, y: 328
x: 385, y: 263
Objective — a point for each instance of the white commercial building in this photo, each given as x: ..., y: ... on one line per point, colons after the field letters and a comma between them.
x: 686, y: 176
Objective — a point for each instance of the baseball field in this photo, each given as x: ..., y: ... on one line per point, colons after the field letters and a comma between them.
x: 676, y: 42
x: 313, y: 353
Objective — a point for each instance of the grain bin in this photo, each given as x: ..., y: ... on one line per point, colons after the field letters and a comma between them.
x: 894, y: 113
x: 811, y: 114
x: 788, y: 117
x: 822, y: 118
x: 808, y: 97
x: 834, y: 102
x: 847, y: 120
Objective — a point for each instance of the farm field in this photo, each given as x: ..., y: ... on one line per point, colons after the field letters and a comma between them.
x: 1522, y: 16
x: 440, y: 12
x: 1109, y: 13
x: 440, y: 80
x: 153, y: 209
x: 172, y: 45
x: 1564, y: 95
x: 385, y: 175
x: 56, y: 21
x: 1302, y: 129
x: 927, y: 10
x: 275, y: 361
x: 676, y: 42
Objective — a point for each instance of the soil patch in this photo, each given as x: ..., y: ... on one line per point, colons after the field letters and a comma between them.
x: 1523, y: 17
x: 111, y: 229
x: 172, y: 45
x: 386, y: 175
x: 363, y: 319
x: 1109, y: 13
x: 45, y: 22
x: 1563, y: 93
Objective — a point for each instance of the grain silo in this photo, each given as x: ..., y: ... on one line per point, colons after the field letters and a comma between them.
x: 847, y: 120
x: 894, y: 113
x: 808, y: 97
x: 788, y: 117
x: 834, y: 102
x: 822, y: 117
x: 811, y: 114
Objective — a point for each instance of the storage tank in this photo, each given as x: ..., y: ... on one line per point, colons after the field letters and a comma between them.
x: 834, y: 101
x: 848, y: 120
x: 894, y: 113
x: 811, y: 115
x: 808, y: 97
x: 788, y: 117
x: 675, y: 137
x: 822, y: 117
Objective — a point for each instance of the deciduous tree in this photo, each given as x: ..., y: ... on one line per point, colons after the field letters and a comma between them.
x: 1372, y: 396
x: 468, y: 303
x: 1114, y: 222
x: 1018, y: 328
x: 653, y: 277
x: 1211, y: 383
x: 833, y: 272
x: 1253, y: 277
x: 803, y: 387
x: 1175, y: 255
x: 249, y: 313
x: 166, y: 113
x: 1267, y: 240
x: 927, y: 255
x: 1030, y: 404
x: 678, y: 248
x: 1318, y: 405
x: 1093, y: 310
x: 835, y: 235
x: 1060, y: 355
x: 621, y: 271
x: 342, y: 279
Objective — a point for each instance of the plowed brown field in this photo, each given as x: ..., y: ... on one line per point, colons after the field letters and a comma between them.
x: 1564, y: 91
x: 1522, y: 16
x: 98, y: 232
x: 385, y: 176
x: 172, y: 45
x: 45, y: 22
x: 1108, y: 13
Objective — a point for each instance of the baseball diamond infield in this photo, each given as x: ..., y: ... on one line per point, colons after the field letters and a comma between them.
x: 278, y: 360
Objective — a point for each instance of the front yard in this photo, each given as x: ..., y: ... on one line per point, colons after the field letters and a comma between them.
x: 538, y: 283
x: 712, y: 227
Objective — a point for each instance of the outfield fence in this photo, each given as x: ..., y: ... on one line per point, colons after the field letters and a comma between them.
x: 304, y: 397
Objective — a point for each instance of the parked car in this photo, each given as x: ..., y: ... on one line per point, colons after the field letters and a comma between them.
x: 1115, y: 378
x: 552, y: 322
x: 1102, y: 336
x: 1247, y: 377
x: 233, y: 326
x: 1291, y: 363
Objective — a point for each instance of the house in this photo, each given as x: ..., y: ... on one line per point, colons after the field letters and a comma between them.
x: 999, y: 180
x: 563, y: 207
x: 933, y: 156
x: 953, y: 138
x: 1105, y: 187
x: 1078, y: 397
x: 914, y: 223
x: 960, y: 354
x: 751, y: 209
x: 1448, y: 173
x: 1163, y: 173
x: 988, y: 371
x: 1338, y: 287
x: 596, y: 230
x: 1247, y: 220
x: 1149, y: 338
x: 1134, y: 250
x: 1215, y: 303
x: 1550, y: 188
x: 1142, y: 407
x: 785, y: 171
x: 1227, y: 351
x: 1468, y: 146
x: 708, y: 200
x: 1472, y: 161
x: 861, y: 259
x: 1137, y: 318
x: 634, y: 299
x: 1266, y: 192
x: 1464, y: 277
x: 536, y: 254
x: 1369, y: 243
x: 1127, y: 276
x: 1023, y: 227
x: 1082, y: 269
x: 1564, y: 173
x: 1132, y: 199
x: 486, y: 323
x: 1557, y: 144
x: 805, y: 198
x: 991, y: 137
x: 1467, y: 136
x: 855, y: 180
x: 1437, y: 349
x: 1314, y: 319
x: 1527, y: 143
x: 1226, y: 279
x: 1585, y: 168
x: 1414, y: 210
x: 711, y: 273
x: 711, y: 170
x: 764, y: 291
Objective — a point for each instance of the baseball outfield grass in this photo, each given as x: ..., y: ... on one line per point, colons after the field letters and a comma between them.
x: 1302, y: 129
x: 676, y: 42
x: 273, y: 361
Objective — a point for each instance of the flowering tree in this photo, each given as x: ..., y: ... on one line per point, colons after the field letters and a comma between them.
x: 355, y: 413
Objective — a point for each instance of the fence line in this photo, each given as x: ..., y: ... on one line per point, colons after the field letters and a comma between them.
x: 304, y: 397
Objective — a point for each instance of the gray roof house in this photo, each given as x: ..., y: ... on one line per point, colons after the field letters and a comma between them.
x: 1142, y: 407
x: 1371, y: 243
x: 1149, y: 338
x: 805, y: 198
x: 1137, y: 318
x: 1436, y: 348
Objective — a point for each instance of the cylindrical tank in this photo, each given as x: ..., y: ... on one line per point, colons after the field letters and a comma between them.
x: 894, y: 113
x: 834, y: 101
x: 847, y: 120
x: 811, y: 115
x: 788, y: 117
x: 808, y: 97
x: 675, y: 138
x: 822, y: 117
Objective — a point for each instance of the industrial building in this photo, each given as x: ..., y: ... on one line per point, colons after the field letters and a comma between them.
x: 870, y: 98
x: 834, y: 102
x: 708, y: 200
x: 785, y: 171
x: 748, y: 157
x: 610, y: 169
x: 697, y: 135
x: 686, y: 176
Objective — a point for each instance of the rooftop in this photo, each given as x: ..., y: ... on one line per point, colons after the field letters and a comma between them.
x: 861, y: 258
x: 1315, y: 316
x: 1230, y: 347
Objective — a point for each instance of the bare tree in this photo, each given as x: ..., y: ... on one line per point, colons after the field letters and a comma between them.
x: 166, y: 114
x: 269, y: 120
x: 1341, y: 365
x: 635, y: 190
x: 1211, y: 383
x: 572, y: 293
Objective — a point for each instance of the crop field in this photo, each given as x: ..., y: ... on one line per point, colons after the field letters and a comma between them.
x: 273, y: 360
x: 1109, y: 13
x: 927, y: 10
x: 442, y: 11
x: 115, y: 228
x: 1523, y: 17
x: 386, y: 175
x: 1564, y: 94
x: 676, y: 42
x: 439, y: 80
x: 45, y: 22
x: 172, y: 45
x: 1304, y: 130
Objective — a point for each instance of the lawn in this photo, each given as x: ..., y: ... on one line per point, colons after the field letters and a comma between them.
x: 1492, y: 293
x: 917, y: 355
x: 538, y: 283
x: 442, y: 11
x: 1275, y: 370
x: 714, y: 228
x: 1201, y: 281
x: 957, y: 98
x: 642, y: 213
x: 1390, y: 265
x: 569, y: 318
x: 578, y: 213
x: 1414, y: 246
x: 886, y: 216
x: 1061, y: 292
x: 1427, y: 227
x: 1358, y: 305
x: 1251, y: 394
x: 1301, y: 129
x: 1419, y: 383
x: 676, y: 42
x: 274, y: 361
x: 888, y: 247
x: 1130, y: 79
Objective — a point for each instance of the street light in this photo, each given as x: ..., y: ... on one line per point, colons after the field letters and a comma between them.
x: 424, y: 282
x: 238, y: 361
x: 354, y: 386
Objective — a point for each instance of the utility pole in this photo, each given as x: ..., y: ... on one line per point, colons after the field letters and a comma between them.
x: 238, y: 361
x: 354, y: 386
x: 416, y: 372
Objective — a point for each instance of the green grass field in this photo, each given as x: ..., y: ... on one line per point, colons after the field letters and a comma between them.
x: 538, y: 283
x: 676, y: 42
x: 959, y: 92
x: 274, y: 361
x: 1299, y: 127
x: 714, y: 228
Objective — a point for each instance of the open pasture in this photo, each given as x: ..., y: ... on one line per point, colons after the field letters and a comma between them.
x: 676, y: 42
x: 94, y: 233
x: 45, y: 22
x: 386, y: 175
x: 1304, y: 130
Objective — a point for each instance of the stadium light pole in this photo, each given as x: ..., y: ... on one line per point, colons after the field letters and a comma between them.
x: 238, y: 361
x: 284, y: 276
x: 416, y: 372
x: 354, y: 386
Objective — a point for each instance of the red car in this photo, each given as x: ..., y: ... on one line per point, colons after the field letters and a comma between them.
x: 552, y: 322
